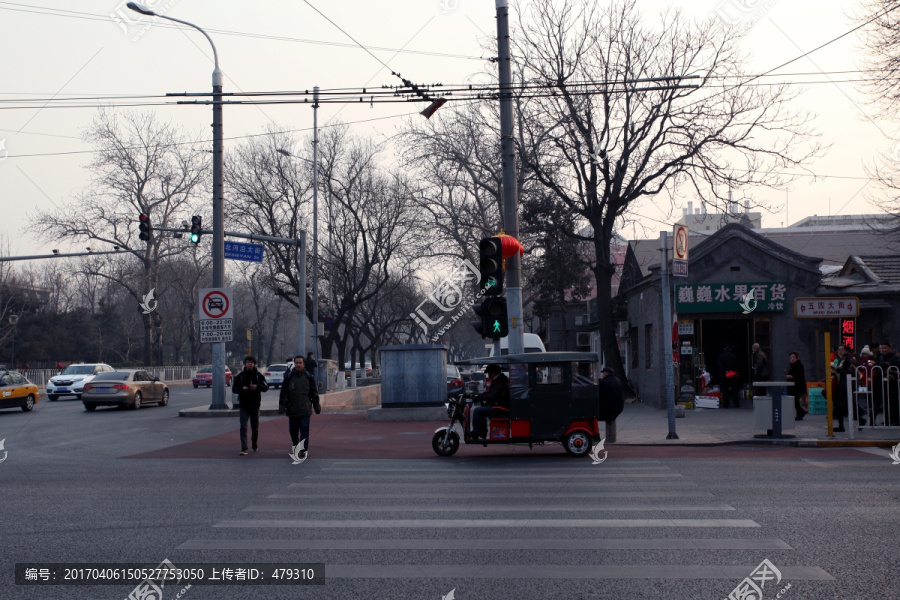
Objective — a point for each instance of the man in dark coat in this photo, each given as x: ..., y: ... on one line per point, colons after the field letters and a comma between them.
x: 497, y: 398
x: 249, y: 385
x: 726, y: 364
x: 842, y: 404
x: 797, y: 374
x: 299, y: 397
x: 612, y: 400
x: 311, y: 364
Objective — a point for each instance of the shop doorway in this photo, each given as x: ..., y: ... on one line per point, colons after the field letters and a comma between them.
x: 716, y: 333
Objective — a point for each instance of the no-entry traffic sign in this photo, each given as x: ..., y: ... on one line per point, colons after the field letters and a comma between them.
x: 215, y: 315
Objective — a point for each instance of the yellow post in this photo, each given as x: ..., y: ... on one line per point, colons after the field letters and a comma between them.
x: 828, y: 384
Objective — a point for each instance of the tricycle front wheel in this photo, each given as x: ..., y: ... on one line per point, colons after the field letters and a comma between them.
x: 577, y: 443
x: 452, y: 443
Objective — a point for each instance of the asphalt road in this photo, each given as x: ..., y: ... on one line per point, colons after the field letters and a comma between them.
x: 118, y: 486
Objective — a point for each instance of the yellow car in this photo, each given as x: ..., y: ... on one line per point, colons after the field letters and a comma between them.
x: 15, y: 391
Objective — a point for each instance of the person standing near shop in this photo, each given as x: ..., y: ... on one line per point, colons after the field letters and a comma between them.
x: 797, y: 374
x: 249, y: 385
x: 299, y: 397
x: 760, y: 368
x: 840, y: 371
x: 727, y: 376
x: 311, y: 366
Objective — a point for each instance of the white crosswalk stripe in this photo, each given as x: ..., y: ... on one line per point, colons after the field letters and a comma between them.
x: 422, y: 520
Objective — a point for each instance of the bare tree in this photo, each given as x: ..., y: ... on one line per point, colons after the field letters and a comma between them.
x: 140, y: 166
x: 600, y: 138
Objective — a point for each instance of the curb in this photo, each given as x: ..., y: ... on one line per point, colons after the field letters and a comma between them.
x: 789, y: 443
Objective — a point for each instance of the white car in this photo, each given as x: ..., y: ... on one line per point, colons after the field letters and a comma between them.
x: 71, y: 381
x: 275, y: 374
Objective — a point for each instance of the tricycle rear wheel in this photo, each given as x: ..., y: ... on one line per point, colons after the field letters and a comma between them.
x: 577, y: 443
x: 437, y: 443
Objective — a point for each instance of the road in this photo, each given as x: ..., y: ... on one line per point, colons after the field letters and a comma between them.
x: 118, y: 486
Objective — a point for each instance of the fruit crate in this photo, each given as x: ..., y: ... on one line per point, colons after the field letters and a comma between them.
x: 818, y: 404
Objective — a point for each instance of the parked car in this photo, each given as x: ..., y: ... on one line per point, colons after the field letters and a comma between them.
x: 478, y: 376
x: 275, y: 374
x: 16, y: 391
x: 125, y: 389
x: 73, y: 378
x: 360, y: 370
x: 204, y: 376
x: 454, y: 382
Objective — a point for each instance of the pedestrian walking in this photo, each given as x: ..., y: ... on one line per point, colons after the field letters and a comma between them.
x: 311, y: 365
x: 612, y: 399
x: 797, y: 374
x: 727, y: 376
x: 760, y: 368
x: 299, y: 397
x: 249, y: 385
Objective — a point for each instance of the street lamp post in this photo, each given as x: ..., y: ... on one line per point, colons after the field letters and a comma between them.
x: 218, y: 243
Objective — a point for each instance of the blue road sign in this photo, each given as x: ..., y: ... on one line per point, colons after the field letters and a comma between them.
x: 242, y: 251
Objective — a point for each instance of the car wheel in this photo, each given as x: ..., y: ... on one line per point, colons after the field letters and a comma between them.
x: 90, y: 407
x: 165, y: 398
x: 137, y: 401
x: 196, y: 386
x: 53, y: 397
x: 29, y: 403
x: 577, y: 443
x: 437, y: 443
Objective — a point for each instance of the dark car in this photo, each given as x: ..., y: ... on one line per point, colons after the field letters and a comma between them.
x: 204, y: 376
x: 126, y: 389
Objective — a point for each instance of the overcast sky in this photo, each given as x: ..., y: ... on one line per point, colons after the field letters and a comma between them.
x: 98, y: 47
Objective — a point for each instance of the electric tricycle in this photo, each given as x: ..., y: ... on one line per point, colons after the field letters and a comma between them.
x: 553, y: 398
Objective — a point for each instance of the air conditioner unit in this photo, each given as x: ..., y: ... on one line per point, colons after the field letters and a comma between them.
x: 579, y: 320
x: 583, y: 339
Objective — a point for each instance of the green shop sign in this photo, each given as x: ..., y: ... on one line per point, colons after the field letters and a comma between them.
x: 741, y: 298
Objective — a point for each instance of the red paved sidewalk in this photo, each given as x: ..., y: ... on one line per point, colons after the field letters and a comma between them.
x: 349, y: 435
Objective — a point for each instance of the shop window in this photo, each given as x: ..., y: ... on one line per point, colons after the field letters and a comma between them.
x: 648, y: 346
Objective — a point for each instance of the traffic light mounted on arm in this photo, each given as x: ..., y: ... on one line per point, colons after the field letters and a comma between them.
x: 196, y: 228
x: 144, y: 226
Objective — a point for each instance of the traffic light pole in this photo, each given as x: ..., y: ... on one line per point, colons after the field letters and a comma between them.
x: 510, y: 194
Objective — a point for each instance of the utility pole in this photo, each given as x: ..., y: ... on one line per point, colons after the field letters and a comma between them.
x: 667, y: 333
x: 315, y: 306
x: 510, y: 193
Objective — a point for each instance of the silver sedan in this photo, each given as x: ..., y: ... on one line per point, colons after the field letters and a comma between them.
x: 124, y: 388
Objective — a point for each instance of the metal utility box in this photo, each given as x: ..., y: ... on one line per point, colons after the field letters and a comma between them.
x: 413, y: 375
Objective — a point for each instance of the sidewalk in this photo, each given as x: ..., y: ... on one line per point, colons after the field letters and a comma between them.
x: 640, y: 424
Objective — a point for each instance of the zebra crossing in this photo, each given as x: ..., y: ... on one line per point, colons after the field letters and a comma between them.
x: 468, y: 526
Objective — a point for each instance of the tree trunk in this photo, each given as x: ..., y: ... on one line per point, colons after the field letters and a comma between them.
x: 603, y: 272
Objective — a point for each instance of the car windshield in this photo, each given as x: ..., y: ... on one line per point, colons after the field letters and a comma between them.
x: 113, y: 376
x: 453, y: 373
x: 477, y: 376
x: 276, y: 368
x: 78, y: 370
x: 205, y: 370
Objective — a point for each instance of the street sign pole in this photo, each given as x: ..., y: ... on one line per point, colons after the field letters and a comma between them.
x: 667, y: 335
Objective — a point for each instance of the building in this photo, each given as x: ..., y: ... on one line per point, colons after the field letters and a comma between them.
x: 810, y: 259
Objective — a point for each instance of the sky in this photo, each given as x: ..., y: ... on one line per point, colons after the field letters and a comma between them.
x: 98, y: 47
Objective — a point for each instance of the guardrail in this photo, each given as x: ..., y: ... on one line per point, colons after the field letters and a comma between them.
x: 40, y: 377
x: 876, y: 396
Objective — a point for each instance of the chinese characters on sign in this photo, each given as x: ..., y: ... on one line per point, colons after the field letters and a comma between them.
x: 818, y: 308
x: 727, y: 297
x: 241, y: 251
x: 848, y: 334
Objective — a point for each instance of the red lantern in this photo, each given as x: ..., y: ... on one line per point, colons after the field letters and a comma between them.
x: 510, y: 246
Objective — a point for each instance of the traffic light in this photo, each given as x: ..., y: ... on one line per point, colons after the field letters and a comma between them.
x: 196, y: 228
x: 491, y: 266
x: 144, y: 226
x: 496, y: 321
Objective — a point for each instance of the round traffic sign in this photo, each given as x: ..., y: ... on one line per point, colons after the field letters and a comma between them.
x: 215, y: 304
x: 681, y: 243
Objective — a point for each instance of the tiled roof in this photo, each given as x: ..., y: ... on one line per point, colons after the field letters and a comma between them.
x: 887, y: 268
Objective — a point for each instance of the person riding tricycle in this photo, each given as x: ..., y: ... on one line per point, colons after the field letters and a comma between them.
x: 543, y: 399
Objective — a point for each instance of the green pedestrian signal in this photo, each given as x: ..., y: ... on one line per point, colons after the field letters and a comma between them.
x: 496, y: 320
x: 496, y: 327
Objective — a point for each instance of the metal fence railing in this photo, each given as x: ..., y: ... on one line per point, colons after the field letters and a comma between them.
x: 40, y: 377
x: 876, y: 396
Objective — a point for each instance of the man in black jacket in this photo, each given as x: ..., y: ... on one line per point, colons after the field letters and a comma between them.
x: 299, y: 397
x: 726, y: 364
x: 249, y: 385
x: 612, y: 400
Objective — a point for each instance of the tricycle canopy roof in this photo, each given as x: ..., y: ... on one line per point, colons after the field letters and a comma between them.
x: 532, y: 358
